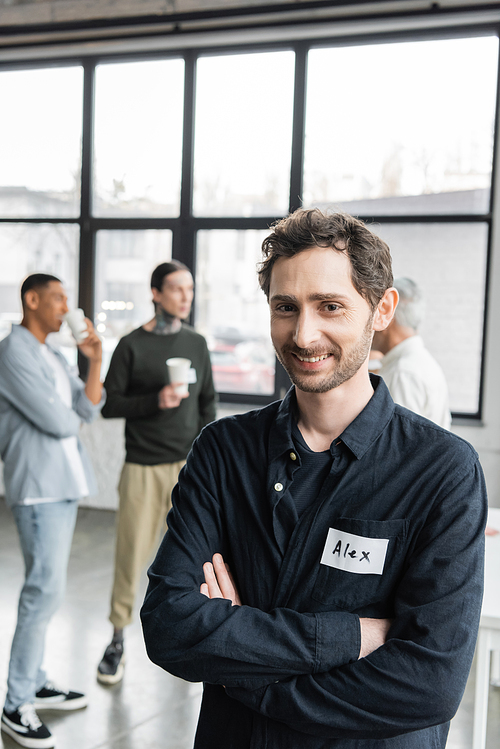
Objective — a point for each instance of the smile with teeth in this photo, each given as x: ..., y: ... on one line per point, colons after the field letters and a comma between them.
x: 312, y: 358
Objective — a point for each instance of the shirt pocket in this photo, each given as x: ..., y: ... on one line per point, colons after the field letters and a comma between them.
x: 350, y: 590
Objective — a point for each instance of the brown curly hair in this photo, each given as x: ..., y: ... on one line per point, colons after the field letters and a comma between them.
x: 371, y: 266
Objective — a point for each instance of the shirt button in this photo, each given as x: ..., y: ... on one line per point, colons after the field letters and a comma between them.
x: 278, y: 487
x: 293, y: 456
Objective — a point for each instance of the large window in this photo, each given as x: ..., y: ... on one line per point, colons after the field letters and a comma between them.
x: 29, y: 248
x: 40, y: 142
x: 138, y: 138
x: 404, y: 128
x: 232, y: 311
x: 111, y: 166
x: 448, y: 261
x: 123, y: 298
x: 243, y: 134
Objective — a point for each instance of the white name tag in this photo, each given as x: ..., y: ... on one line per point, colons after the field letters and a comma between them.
x: 192, y: 376
x: 345, y: 551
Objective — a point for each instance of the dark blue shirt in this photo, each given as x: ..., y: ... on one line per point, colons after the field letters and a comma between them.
x: 407, y: 502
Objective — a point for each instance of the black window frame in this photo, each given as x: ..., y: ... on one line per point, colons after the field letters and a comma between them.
x: 185, y: 226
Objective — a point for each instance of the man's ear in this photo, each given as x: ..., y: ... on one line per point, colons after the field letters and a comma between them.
x: 385, y: 309
x: 31, y: 300
x: 155, y: 294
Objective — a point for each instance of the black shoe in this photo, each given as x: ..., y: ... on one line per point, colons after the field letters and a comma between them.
x: 50, y: 697
x: 110, y: 669
x: 25, y: 727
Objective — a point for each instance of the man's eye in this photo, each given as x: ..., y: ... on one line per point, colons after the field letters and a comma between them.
x: 332, y: 307
x: 285, y: 308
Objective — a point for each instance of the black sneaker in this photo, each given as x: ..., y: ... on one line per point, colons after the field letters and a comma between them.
x: 25, y: 727
x: 110, y: 669
x: 50, y: 697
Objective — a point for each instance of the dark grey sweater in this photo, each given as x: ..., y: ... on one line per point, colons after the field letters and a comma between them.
x: 136, y: 375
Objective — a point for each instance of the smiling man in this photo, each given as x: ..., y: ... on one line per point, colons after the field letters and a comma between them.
x: 322, y: 572
x: 160, y: 427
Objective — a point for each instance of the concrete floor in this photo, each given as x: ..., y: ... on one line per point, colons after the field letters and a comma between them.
x: 150, y: 709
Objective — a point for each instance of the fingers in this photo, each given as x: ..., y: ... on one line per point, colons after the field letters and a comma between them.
x: 90, y: 340
x: 219, y: 581
x: 90, y: 330
x: 168, y: 398
x: 224, y: 580
x: 91, y: 337
x: 91, y: 345
x: 204, y: 590
x: 213, y: 588
x: 180, y: 396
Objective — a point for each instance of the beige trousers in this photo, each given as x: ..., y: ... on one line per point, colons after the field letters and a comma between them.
x: 145, y: 499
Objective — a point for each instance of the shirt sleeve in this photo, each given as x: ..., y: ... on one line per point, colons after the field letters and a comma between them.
x: 119, y: 404
x: 35, y: 396
x: 417, y: 678
x: 199, y: 639
x: 86, y: 410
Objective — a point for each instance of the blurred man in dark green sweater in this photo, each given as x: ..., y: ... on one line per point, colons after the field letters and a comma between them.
x: 159, y: 430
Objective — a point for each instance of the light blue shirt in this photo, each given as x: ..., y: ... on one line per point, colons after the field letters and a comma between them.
x: 34, y: 420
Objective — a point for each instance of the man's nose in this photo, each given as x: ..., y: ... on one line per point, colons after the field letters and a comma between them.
x: 307, y: 331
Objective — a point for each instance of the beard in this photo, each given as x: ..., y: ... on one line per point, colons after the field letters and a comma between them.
x: 347, y: 363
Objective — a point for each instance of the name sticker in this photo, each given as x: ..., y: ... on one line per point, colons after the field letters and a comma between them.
x: 191, y: 376
x: 358, y: 554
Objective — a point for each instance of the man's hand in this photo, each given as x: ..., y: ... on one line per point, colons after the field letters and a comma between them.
x: 168, y: 398
x: 373, y: 635
x: 219, y: 581
x: 91, y: 346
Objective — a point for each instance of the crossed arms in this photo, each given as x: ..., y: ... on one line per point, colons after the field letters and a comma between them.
x: 219, y: 583
x: 331, y: 673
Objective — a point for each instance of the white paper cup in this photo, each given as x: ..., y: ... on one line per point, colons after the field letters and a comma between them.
x: 178, y: 372
x: 76, y: 321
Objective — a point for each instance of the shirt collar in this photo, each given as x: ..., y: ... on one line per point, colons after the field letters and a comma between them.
x: 24, y: 333
x: 358, y: 436
x: 280, y: 436
x: 367, y: 427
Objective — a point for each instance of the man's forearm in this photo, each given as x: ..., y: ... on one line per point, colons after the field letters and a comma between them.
x: 397, y: 689
x: 119, y: 406
x: 213, y: 641
x: 219, y: 583
x: 93, y: 386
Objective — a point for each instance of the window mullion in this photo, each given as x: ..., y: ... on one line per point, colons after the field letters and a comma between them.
x: 184, y: 235
x: 87, y: 242
x: 298, y: 133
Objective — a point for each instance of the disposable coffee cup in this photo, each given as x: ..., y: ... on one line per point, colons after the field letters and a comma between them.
x: 76, y: 321
x: 178, y: 372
